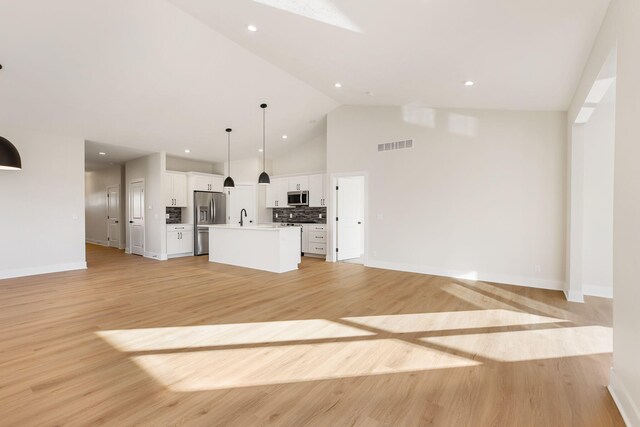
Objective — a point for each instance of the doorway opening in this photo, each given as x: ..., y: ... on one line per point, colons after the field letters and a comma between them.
x: 350, y: 219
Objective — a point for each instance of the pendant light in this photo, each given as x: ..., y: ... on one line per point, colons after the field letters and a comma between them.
x: 9, y: 156
x: 264, y: 177
x: 228, y: 181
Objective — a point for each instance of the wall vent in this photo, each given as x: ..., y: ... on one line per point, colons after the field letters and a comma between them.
x: 398, y: 145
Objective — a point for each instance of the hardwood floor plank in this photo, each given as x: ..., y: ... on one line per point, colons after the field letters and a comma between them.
x: 132, y: 341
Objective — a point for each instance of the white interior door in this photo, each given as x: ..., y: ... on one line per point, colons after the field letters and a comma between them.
x: 136, y: 217
x: 242, y: 197
x: 113, y: 216
x: 350, y: 201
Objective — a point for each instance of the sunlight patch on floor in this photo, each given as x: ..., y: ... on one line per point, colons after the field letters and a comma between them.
x: 185, y: 337
x: 516, y: 346
x: 211, y: 370
x: 425, y: 322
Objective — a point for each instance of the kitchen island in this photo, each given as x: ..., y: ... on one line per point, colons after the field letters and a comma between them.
x: 262, y: 247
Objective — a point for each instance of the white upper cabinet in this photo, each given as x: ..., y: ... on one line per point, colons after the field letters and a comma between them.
x: 201, y: 183
x: 175, y: 189
x: 276, y: 193
x: 317, y: 194
x: 217, y: 183
x: 299, y: 183
x: 206, y: 182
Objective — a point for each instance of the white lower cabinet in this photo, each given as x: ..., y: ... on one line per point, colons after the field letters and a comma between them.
x: 315, y: 239
x: 179, y: 240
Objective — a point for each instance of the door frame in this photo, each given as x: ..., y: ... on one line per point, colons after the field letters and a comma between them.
x: 120, y: 245
x: 144, y: 227
x: 332, y: 212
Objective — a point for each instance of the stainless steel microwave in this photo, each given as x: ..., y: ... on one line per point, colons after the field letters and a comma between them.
x: 298, y: 198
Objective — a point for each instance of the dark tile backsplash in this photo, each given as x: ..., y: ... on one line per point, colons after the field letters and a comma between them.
x: 175, y: 215
x: 300, y: 214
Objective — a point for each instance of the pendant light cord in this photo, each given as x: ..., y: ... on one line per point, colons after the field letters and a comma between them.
x: 229, y: 153
x: 264, y: 153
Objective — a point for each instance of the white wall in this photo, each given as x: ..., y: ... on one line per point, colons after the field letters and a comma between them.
x: 482, y: 193
x: 96, y: 183
x: 308, y: 157
x: 42, y: 215
x: 598, y: 139
x: 150, y: 168
x: 187, y: 165
x: 625, y: 378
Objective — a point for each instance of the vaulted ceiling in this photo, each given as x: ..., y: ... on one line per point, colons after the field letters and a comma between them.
x: 172, y: 75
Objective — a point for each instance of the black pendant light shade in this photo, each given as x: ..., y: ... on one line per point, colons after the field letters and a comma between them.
x: 264, y: 177
x: 228, y: 181
x: 9, y: 156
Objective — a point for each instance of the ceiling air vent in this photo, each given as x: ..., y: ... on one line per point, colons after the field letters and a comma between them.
x: 398, y: 145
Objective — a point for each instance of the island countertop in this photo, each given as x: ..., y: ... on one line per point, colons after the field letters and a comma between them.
x: 262, y: 227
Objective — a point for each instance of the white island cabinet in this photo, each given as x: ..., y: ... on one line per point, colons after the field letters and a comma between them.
x: 262, y: 247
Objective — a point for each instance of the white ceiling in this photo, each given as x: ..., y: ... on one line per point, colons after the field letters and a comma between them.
x: 159, y: 75
x: 113, y: 155
x: 145, y: 75
x: 522, y: 54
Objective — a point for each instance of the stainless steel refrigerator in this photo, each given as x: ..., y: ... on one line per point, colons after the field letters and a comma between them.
x: 208, y: 208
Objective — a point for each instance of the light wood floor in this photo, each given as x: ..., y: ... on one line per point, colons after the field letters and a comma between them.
x: 132, y: 341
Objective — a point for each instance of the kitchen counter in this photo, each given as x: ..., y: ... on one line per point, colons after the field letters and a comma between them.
x: 263, y: 227
x: 263, y: 247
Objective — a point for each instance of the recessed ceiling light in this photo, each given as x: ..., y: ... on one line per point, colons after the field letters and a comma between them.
x: 260, y: 150
x: 102, y: 153
x: 469, y: 83
x: 187, y: 151
x: 284, y: 137
x: 252, y: 28
x: 338, y: 84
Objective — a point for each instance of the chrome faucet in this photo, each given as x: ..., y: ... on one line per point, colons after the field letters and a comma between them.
x: 242, y: 219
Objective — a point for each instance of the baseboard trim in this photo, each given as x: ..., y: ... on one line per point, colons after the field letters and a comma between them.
x: 155, y: 255
x: 598, y: 291
x: 622, y: 398
x: 97, y: 242
x: 574, y: 296
x: 46, y: 269
x: 530, y: 282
